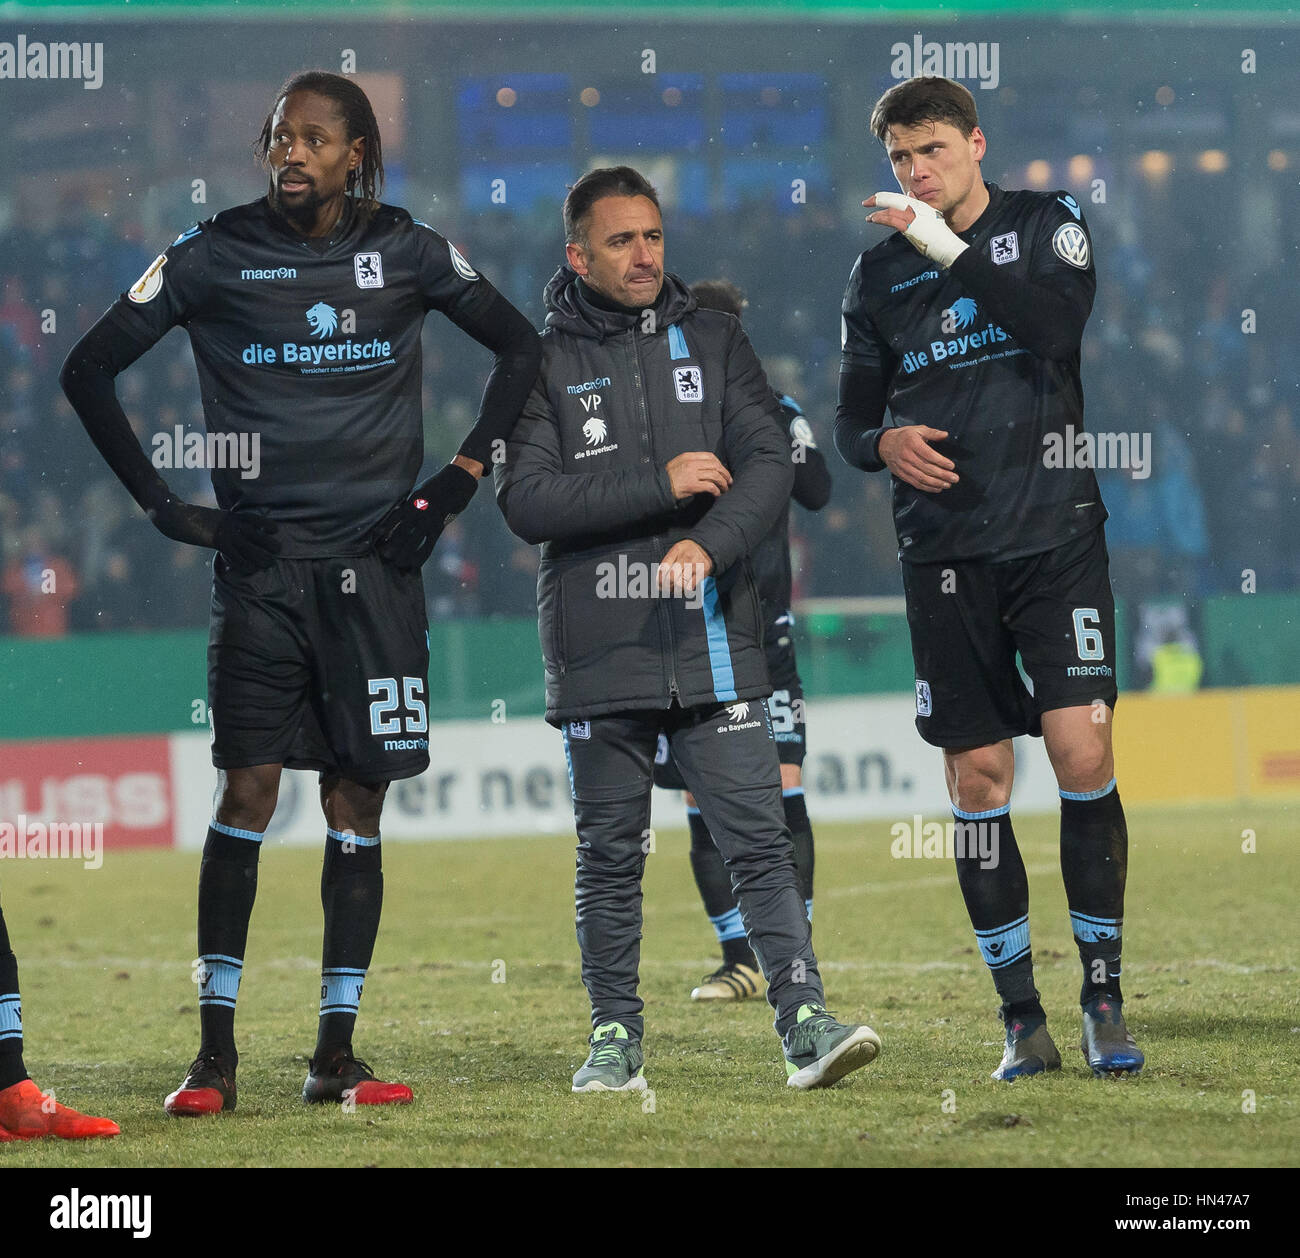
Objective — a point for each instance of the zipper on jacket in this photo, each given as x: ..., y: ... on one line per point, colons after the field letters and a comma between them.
x: 666, y: 621
x: 663, y: 611
x: 672, y: 679
x: 638, y: 382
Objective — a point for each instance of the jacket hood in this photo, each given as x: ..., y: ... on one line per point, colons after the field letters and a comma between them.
x: 567, y: 310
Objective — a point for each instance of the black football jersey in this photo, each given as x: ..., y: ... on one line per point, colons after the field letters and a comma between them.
x: 770, y: 559
x: 308, y: 355
x: 948, y: 362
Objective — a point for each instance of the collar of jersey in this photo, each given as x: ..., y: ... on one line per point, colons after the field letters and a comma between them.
x: 569, y: 310
x: 342, y: 229
x: 995, y: 203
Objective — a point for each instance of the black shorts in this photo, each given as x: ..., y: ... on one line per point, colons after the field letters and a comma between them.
x: 785, y: 705
x: 969, y: 620
x: 320, y: 664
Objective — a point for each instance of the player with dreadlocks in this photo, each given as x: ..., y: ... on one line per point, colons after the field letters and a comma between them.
x: 304, y: 309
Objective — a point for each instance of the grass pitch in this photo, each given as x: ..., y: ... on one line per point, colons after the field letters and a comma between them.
x: 1209, y: 973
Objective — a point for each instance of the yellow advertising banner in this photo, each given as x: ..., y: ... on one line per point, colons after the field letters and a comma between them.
x: 1209, y: 746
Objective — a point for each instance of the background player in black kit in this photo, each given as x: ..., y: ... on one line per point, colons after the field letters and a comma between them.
x: 739, y: 978
x: 967, y: 326
x: 304, y: 309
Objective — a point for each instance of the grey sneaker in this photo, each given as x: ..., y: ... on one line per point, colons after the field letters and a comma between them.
x: 1107, y: 1045
x: 1029, y: 1049
x: 615, y: 1063
x: 820, y: 1051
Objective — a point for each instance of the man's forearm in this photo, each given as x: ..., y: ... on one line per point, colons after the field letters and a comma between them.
x: 518, y: 357
x: 745, y: 514
x: 1049, y: 324
x: 87, y: 378
x: 812, y: 480
x: 551, y: 506
x: 859, y: 447
x: 859, y: 418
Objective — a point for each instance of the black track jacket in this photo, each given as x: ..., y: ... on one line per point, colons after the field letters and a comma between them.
x: 618, y: 397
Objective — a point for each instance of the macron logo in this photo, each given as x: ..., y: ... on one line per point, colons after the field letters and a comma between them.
x: 1072, y: 205
x: 916, y: 279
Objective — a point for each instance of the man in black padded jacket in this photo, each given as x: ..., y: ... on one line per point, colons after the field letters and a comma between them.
x: 649, y: 464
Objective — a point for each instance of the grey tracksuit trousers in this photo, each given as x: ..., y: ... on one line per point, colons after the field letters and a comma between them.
x: 727, y: 757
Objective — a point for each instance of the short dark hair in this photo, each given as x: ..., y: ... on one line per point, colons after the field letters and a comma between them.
x: 925, y: 99
x: 358, y: 121
x: 721, y: 295
x: 604, y: 181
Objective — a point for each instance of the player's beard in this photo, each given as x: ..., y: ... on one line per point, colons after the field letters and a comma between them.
x: 302, y: 213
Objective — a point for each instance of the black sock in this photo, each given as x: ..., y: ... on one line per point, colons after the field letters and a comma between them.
x: 1094, y: 867
x: 11, y: 1015
x: 352, y: 895
x: 227, y: 889
x: 714, y: 882
x: 796, y: 818
x: 993, y: 884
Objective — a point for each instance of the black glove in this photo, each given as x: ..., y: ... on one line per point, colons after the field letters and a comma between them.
x: 406, y: 535
x: 247, y: 542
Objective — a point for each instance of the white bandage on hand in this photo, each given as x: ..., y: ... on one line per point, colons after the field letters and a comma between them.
x: 929, y: 234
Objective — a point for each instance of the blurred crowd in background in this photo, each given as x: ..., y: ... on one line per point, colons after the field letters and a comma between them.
x: 1167, y: 353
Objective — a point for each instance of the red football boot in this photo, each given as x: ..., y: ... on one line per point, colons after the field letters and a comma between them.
x: 27, y: 1113
x: 347, y: 1079
x: 209, y: 1088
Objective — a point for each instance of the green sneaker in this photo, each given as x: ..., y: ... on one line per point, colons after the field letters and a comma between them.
x: 615, y: 1063
x: 820, y: 1051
